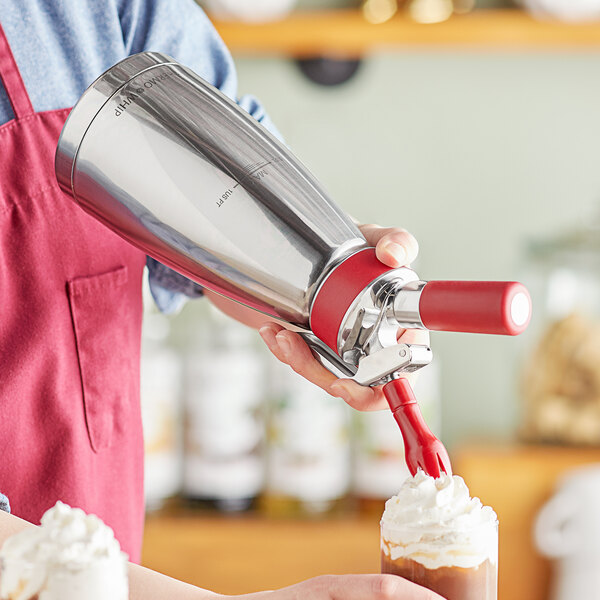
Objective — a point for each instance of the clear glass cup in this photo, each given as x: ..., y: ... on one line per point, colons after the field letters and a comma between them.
x: 458, y: 564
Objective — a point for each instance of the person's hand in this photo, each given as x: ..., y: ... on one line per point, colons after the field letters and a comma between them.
x: 347, y: 587
x: 394, y: 247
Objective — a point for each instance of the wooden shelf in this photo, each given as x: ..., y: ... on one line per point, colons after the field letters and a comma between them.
x: 246, y: 554
x: 346, y: 33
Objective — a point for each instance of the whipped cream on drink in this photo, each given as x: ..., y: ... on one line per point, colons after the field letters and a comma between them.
x: 71, y: 556
x: 436, y: 523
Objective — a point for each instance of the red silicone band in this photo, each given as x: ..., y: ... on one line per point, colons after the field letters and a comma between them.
x: 339, y: 291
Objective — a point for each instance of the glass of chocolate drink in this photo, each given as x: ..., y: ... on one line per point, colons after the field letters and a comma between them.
x: 434, y: 534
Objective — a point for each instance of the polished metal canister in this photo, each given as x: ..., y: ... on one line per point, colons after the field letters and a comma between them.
x: 180, y: 170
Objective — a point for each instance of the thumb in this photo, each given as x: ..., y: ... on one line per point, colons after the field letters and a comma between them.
x: 395, y: 247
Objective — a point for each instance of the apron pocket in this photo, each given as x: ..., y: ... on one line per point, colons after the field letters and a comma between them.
x: 97, y: 319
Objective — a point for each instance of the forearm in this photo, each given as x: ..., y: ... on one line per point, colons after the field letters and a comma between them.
x: 143, y: 583
x: 9, y: 525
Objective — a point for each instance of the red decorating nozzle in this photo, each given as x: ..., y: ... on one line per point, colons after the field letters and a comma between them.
x: 422, y: 449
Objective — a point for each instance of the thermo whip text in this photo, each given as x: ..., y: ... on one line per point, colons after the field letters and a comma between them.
x: 134, y: 94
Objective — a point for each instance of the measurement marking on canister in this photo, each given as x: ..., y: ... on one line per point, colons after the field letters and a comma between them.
x: 224, y: 196
x: 261, y: 167
x: 258, y: 172
x: 253, y: 167
x: 258, y: 167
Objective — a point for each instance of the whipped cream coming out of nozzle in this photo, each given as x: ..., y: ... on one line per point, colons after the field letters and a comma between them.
x: 71, y: 556
x: 435, y: 522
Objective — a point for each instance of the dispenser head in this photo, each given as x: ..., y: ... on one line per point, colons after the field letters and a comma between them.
x: 362, y: 304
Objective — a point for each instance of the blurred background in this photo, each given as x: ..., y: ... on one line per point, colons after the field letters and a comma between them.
x: 476, y: 126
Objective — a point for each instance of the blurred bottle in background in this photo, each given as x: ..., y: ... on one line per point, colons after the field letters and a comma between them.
x: 379, y: 11
x: 308, y: 453
x: 161, y: 374
x: 421, y: 11
x: 561, y: 377
x: 379, y: 467
x: 224, y: 419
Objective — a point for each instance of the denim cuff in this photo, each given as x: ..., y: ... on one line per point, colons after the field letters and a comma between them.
x: 4, y: 503
x: 169, y: 289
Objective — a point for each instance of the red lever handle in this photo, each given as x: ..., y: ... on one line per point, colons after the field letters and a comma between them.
x: 499, y: 307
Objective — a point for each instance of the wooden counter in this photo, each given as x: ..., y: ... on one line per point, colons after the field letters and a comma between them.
x: 238, y: 555
x: 248, y: 554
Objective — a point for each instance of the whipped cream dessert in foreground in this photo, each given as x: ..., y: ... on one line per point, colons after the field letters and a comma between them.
x: 434, y: 533
x: 70, y: 556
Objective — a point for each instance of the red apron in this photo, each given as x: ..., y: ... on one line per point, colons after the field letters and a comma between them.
x: 70, y: 321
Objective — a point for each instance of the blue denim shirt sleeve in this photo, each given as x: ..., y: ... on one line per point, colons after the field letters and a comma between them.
x: 181, y: 29
x: 4, y: 504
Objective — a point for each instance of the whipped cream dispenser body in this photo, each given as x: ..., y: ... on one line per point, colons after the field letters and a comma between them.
x: 172, y: 165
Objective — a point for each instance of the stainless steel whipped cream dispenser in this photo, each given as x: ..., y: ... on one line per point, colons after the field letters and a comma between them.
x: 173, y: 166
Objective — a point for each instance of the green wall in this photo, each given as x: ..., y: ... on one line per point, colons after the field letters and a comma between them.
x: 474, y: 153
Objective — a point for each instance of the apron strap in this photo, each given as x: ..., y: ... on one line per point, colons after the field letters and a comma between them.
x: 12, y: 80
